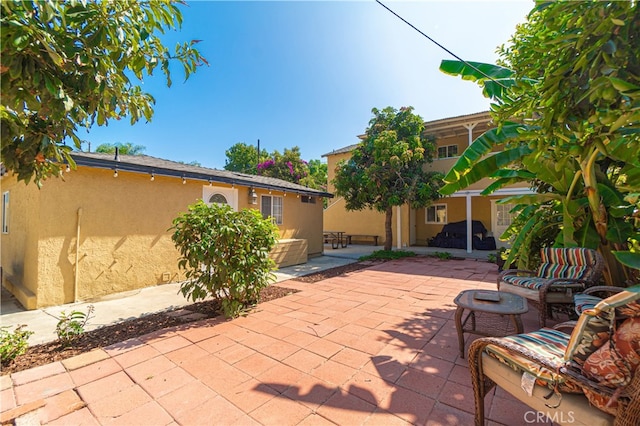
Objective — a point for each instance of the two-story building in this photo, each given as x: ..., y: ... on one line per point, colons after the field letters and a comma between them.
x: 416, y: 227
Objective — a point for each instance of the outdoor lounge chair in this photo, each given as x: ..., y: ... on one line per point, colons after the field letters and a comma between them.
x: 562, y: 273
x: 590, y: 377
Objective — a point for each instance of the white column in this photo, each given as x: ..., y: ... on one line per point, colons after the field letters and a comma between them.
x: 469, y: 223
x: 399, y: 227
x: 470, y: 127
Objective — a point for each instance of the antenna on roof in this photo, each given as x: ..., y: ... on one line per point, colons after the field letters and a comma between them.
x: 258, y: 161
x: 117, y: 152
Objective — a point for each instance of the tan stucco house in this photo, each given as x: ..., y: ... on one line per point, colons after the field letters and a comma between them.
x: 104, y: 227
x: 416, y: 227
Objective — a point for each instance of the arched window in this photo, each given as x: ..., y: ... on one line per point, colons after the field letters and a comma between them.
x: 218, y: 199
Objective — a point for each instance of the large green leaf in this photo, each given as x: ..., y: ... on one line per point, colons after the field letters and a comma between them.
x: 470, y: 162
x: 628, y: 258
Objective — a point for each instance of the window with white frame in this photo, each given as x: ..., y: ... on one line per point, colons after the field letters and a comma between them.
x: 5, y: 212
x: 436, y: 213
x: 447, y: 151
x: 271, y: 206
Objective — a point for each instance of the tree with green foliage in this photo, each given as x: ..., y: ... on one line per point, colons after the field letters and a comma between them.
x: 387, y: 167
x: 317, y: 176
x: 123, y: 148
x: 72, y: 64
x: 225, y: 254
x: 566, y: 99
x: 287, y: 166
x: 243, y: 158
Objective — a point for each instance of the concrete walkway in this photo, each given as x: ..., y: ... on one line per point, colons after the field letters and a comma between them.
x: 375, y: 346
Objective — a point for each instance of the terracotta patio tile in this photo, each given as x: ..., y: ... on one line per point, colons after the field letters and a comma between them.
x: 460, y: 374
x: 409, y: 405
x: 95, y: 371
x: 324, y: 348
x: 443, y: 414
x: 280, y: 377
x: 345, y: 409
x: 37, y: 373
x: 311, y: 391
x: 342, y: 338
x: 5, y: 382
x: 368, y: 387
x: 150, y: 368
x: 136, y: 356
x: 225, y: 376
x: 418, y: 381
x: 333, y: 373
x: 80, y: 417
x: 385, y: 367
x: 7, y: 399
x: 385, y: 418
x: 315, y: 419
x: 371, y: 343
x: 203, y: 366
x: 235, y: 333
x: 166, y: 382
x: 214, y: 411
x: 107, y: 386
x: 216, y: 344
x: 440, y: 367
x: 170, y: 344
x: 507, y: 410
x: 235, y: 353
x: 201, y: 331
x: 304, y: 360
x: 150, y: 413
x: 280, y: 332
x: 352, y: 358
x: 43, y: 388
x: 124, y: 346
x: 119, y: 403
x: 255, y: 364
x: 249, y: 395
x: 281, y: 411
x: 461, y: 397
x: 188, y: 353
x: 60, y: 405
x: 85, y: 359
x: 157, y: 335
x: 300, y: 339
x: 186, y: 398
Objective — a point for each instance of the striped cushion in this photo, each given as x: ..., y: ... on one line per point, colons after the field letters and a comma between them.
x: 566, y: 263
x: 532, y: 283
x: 545, y: 343
x: 584, y: 302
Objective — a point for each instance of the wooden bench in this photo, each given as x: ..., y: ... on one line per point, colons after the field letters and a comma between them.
x: 351, y: 237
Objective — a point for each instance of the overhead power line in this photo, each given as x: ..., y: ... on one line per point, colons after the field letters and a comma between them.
x: 441, y: 46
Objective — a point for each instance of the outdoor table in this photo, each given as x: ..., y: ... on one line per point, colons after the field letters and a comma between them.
x: 496, y: 304
x: 337, y: 238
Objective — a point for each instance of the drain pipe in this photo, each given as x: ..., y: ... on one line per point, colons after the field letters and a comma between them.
x: 75, y: 280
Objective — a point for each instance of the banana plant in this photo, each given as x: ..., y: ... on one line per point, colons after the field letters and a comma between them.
x: 566, y: 102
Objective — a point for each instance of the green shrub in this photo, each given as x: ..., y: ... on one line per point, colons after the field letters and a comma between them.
x: 387, y: 255
x: 491, y: 258
x: 70, y: 326
x: 443, y: 255
x: 225, y: 254
x: 13, y: 343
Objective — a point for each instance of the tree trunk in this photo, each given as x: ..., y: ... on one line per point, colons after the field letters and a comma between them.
x: 388, y: 240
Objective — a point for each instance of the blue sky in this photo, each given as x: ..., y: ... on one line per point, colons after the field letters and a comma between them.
x: 308, y: 73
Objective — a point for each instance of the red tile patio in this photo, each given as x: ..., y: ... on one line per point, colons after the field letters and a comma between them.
x: 374, y: 347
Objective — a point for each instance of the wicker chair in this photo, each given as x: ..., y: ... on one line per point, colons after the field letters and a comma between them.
x: 551, y: 357
x: 562, y: 273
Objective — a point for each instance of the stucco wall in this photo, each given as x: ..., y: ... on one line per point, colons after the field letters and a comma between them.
x: 125, y: 242
x: 19, y: 247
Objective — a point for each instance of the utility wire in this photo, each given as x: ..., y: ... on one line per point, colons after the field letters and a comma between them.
x: 441, y: 46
